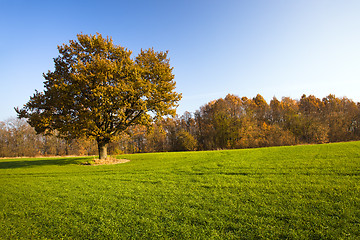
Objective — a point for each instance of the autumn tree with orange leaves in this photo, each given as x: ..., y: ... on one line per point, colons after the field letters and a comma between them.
x: 98, y: 91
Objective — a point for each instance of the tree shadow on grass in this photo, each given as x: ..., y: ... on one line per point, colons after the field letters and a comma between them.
x: 23, y: 163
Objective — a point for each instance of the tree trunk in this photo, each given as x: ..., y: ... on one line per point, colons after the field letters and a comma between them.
x: 102, y: 146
x: 67, y: 147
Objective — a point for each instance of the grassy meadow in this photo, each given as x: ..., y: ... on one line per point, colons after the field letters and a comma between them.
x: 298, y: 192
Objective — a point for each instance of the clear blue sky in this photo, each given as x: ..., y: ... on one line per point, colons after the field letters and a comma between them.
x: 272, y: 47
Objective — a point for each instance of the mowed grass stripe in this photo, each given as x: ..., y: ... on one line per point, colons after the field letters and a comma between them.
x: 297, y: 192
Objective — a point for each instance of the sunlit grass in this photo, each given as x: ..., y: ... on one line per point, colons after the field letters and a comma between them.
x: 296, y: 192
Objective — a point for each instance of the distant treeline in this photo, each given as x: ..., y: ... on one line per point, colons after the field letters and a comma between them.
x: 227, y: 123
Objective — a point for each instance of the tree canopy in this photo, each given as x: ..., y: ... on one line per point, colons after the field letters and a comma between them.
x: 97, y: 90
x: 226, y: 123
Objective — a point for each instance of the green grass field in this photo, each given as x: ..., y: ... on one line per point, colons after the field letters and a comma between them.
x: 300, y: 192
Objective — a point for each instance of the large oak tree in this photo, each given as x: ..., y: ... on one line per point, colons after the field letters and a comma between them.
x: 97, y: 90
